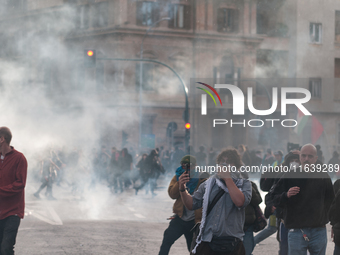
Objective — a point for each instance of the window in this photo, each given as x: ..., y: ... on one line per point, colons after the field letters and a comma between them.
x: 82, y: 18
x: 262, y: 22
x: 337, y: 26
x: 315, y: 87
x: 180, y: 16
x: 315, y: 32
x: 147, y: 13
x: 227, y: 20
x: 100, y: 14
x: 148, y: 76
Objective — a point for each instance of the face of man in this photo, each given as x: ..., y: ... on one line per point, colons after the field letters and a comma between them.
x: 184, y: 166
x: 308, y: 155
x: 278, y: 157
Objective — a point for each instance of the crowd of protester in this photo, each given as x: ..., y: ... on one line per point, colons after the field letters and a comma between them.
x: 120, y: 170
x: 295, y: 209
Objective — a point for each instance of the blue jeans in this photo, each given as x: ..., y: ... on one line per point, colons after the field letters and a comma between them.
x: 248, y: 240
x: 316, y: 245
x: 268, y: 231
x: 283, y: 240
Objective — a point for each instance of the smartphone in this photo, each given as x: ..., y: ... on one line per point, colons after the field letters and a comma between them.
x: 187, y: 167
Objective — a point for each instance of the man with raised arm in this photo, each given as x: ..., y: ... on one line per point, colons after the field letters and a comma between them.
x: 221, y: 228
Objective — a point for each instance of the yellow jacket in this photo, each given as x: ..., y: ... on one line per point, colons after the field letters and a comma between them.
x: 178, y: 206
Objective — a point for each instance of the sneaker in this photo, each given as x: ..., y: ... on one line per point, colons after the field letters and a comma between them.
x: 36, y: 195
x: 51, y: 198
x: 136, y: 190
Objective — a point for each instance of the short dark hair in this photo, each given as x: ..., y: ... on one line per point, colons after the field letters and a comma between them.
x: 6, y: 133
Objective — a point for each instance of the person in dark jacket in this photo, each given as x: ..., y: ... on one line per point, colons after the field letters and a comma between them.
x: 250, y: 217
x: 144, y: 173
x: 306, y: 202
x: 334, y: 216
x: 153, y: 168
x: 125, y: 163
x: 291, y: 161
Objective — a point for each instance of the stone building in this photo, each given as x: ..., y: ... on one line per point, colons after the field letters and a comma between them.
x: 222, y: 41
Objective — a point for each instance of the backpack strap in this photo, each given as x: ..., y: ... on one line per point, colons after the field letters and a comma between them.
x: 216, y: 198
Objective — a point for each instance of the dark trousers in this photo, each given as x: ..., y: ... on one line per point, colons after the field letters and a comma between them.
x: 46, y: 183
x: 144, y: 181
x: 204, y: 249
x: 176, y: 229
x: 8, y: 233
x: 336, y: 250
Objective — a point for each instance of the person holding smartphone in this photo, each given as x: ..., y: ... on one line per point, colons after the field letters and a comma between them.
x: 221, y: 229
x: 183, y: 220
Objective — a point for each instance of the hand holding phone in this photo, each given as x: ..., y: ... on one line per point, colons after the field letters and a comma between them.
x: 187, y: 169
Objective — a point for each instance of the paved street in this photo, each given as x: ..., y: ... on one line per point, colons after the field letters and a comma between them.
x: 103, y: 223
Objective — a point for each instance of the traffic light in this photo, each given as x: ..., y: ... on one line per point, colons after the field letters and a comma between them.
x: 187, y: 134
x: 90, y: 58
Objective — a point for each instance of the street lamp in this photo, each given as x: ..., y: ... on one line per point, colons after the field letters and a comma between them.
x: 141, y: 79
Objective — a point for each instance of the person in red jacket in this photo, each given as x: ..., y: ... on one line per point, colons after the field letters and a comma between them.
x: 13, y: 172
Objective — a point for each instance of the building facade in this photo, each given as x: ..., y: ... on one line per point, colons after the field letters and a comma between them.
x: 249, y: 43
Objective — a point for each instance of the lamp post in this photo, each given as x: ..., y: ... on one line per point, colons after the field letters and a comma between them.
x: 141, y: 80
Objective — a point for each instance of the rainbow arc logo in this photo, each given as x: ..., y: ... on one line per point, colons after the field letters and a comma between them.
x: 204, y: 97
